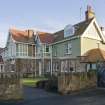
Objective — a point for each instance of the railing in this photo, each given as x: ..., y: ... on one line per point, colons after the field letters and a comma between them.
x: 43, y: 55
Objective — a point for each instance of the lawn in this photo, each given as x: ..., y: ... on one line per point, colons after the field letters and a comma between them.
x: 31, y: 82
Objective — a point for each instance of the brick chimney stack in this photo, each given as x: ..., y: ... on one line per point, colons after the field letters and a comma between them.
x: 30, y: 33
x: 89, y: 13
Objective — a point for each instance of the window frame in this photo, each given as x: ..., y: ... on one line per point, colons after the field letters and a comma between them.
x: 68, y: 48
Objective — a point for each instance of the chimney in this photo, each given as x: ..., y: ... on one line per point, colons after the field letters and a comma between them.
x: 30, y: 33
x: 89, y: 14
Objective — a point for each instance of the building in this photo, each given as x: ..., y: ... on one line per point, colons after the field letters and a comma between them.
x: 1, y: 61
x: 19, y: 53
x: 78, y: 47
x: 75, y: 48
x: 43, y: 54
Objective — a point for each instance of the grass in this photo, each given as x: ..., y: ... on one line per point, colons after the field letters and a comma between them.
x: 31, y: 82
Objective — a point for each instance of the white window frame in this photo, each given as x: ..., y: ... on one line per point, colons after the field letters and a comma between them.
x: 68, y: 48
x: 55, y: 51
x: 21, y: 50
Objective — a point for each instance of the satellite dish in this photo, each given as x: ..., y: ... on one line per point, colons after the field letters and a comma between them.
x: 69, y: 30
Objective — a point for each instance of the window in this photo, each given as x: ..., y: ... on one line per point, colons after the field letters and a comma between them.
x: 68, y: 48
x: 48, y: 67
x: 55, y: 51
x: 47, y: 48
x: 91, y: 66
x: 1, y: 67
x: 21, y: 49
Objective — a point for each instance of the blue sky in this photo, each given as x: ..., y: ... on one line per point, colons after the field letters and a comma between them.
x: 45, y: 15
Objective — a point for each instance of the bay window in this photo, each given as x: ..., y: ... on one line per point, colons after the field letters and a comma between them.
x: 21, y: 49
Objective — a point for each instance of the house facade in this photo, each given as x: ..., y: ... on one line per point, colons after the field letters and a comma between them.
x: 19, y: 53
x: 75, y: 44
x: 75, y: 48
x: 43, y: 54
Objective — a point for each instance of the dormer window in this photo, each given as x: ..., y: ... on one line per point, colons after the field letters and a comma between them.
x: 69, y: 30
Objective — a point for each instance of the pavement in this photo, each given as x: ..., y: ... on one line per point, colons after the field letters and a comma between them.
x: 33, y: 96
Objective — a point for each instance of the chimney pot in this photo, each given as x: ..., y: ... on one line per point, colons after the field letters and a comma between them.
x: 89, y: 13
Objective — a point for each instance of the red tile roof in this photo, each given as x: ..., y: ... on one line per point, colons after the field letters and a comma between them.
x: 22, y: 36
x: 46, y: 37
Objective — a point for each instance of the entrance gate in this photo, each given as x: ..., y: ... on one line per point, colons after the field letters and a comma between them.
x: 101, y: 75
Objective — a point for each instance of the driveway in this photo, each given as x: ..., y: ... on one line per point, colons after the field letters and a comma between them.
x: 35, y: 96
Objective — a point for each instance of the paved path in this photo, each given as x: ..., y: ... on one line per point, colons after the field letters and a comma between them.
x: 40, y: 97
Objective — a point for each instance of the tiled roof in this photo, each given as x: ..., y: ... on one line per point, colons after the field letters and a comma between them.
x: 95, y: 55
x: 46, y: 37
x: 22, y: 36
x: 58, y: 35
x: 79, y: 29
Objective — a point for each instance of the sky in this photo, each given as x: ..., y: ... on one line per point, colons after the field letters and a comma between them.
x: 45, y: 15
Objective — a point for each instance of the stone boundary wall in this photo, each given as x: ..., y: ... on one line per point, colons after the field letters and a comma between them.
x: 10, y: 86
x: 76, y: 81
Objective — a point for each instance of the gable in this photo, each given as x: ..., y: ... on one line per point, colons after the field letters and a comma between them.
x: 45, y: 38
x: 93, y: 32
x: 9, y: 39
x: 37, y: 40
x: 26, y: 36
x: 96, y: 31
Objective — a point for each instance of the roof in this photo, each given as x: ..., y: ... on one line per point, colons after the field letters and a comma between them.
x: 1, y: 60
x: 27, y: 36
x: 58, y: 35
x: 46, y: 37
x: 79, y: 29
x: 22, y: 36
x: 95, y: 55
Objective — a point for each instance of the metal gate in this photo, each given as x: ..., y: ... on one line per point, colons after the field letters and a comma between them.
x: 101, y: 76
